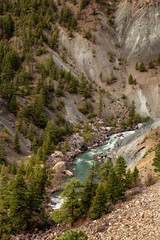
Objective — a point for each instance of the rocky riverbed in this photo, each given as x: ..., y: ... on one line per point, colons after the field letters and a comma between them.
x: 135, y: 219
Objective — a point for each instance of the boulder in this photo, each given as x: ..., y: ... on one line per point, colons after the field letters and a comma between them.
x: 57, y: 154
x: 68, y: 173
x: 56, y: 157
x: 59, y: 167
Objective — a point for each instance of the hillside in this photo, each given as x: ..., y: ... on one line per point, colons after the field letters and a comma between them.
x: 138, y: 218
x: 72, y: 73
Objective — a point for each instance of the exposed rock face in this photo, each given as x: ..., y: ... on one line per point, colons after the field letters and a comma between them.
x: 137, y: 145
x: 138, y: 29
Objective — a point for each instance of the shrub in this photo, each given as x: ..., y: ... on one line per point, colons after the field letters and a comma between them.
x: 72, y: 235
x: 84, y: 3
x: 142, y: 67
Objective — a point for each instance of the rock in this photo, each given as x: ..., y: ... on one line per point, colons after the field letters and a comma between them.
x: 57, y: 154
x: 55, y: 157
x: 59, y: 167
x: 68, y: 173
x: 83, y: 147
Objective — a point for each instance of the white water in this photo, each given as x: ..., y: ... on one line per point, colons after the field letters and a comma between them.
x: 84, y: 161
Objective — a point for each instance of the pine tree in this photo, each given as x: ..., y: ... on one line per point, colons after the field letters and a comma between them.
x: 3, y: 153
x: 31, y: 132
x: 41, y: 137
x: 40, y: 116
x: 142, y: 67
x: 158, y: 59
x: 38, y: 181
x: 13, y: 106
x: 128, y: 180
x: 120, y: 167
x: 136, y: 66
x: 130, y: 79
x: 156, y: 160
x: 4, y: 204
x: 16, y: 144
x: 34, y: 145
x: 66, y: 145
x: 47, y: 146
x: 120, y: 171
x: 89, y: 189
x: 14, y: 167
x: 99, y: 201
x: 105, y: 169
x: 112, y: 188
x: 22, y: 169
x: 135, y: 175
x: 70, y: 208
x: 132, y: 113
x: 19, y: 204
x: 151, y: 65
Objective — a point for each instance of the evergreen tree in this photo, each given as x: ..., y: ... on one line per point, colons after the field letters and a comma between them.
x: 120, y: 167
x: 158, y: 59
x: 84, y: 3
x: 89, y: 189
x: 120, y: 171
x: 112, y: 188
x: 41, y: 137
x: 18, y: 204
x: 22, y: 169
x: 106, y: 169
x: 128, y: 180
x: 38, y: 181
x: 131, y: 80
x: 156, y: 160
x: 31, y: 132
x: 151, y: 65
x: 16, y: 144
x: 136, y: 66
x: 4, y: 204
x: 47, y: 146
x: 34, y: 145
x: 132, y: 113
x: 14, y: 167
x: 13, y: 106
x: 135, y: 175
x: 142, y: 67
x: 70, y: 210
x: 99, y: 201
x: 3, y: 153
x: 66, y: 145
x: 40, y: 117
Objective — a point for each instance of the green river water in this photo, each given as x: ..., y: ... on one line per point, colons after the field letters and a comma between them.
x: 84, y: 161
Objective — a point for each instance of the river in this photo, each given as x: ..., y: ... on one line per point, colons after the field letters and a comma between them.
x: 84, y: 161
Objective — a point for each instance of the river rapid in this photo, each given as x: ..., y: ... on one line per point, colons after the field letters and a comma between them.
x: 84, y: 161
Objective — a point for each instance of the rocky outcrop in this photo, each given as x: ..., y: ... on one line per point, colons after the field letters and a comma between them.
x: 138, y: 29
x: 59, y: 167
x: 134, y: 147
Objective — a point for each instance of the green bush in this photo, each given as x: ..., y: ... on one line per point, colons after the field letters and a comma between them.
x: 84, y: 3
x: 73, y: 235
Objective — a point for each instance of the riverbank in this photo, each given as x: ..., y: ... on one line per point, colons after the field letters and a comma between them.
x: 100, y: 136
